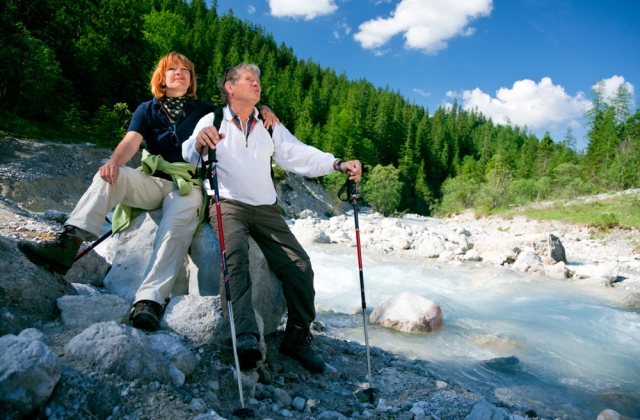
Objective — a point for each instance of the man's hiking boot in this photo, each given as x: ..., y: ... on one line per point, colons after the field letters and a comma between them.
x: 297, y: 345
x: 146, y: 314
x: 248, y: 351
x: 57, y: 256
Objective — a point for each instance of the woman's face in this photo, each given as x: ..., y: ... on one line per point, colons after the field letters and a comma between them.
x: 177, y: 79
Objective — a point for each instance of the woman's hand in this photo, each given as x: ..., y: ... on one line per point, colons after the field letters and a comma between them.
x: 268, y: 117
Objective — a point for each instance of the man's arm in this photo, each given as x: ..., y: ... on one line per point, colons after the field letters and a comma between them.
x: 300, y: 158
x: 204, y: 136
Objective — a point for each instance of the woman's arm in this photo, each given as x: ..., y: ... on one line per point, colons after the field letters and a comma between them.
x: 123, y: 154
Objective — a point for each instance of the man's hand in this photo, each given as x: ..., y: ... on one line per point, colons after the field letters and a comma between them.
x: 353, y: 168
x: 268, y: 117
x: 207, y: 139
x: 109, y: 172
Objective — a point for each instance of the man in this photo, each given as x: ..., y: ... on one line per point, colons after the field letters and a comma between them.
x: 244, y: 150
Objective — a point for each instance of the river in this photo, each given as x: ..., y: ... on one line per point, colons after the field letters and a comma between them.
x: 536, y: 343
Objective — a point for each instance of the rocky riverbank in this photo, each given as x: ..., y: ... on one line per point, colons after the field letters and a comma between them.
x: 79, y: 359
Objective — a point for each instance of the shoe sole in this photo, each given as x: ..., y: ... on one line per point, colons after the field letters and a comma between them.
x: 48, y: 264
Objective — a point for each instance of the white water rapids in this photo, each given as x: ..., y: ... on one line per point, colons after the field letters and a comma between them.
x: 558, y: 348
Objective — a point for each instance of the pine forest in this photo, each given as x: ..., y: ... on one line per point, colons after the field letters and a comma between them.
x: 76, y: 70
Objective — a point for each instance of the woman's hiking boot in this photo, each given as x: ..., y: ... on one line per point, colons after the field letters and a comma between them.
x: 58, y: 255
x: 146, y: 315
x: 248, y: 351
x: 297, y: 345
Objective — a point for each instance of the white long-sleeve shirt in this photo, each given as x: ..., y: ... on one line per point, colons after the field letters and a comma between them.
x: 244, y: 163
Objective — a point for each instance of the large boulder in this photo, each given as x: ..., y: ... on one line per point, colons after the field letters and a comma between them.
x: 28, y: 292
x: 408, y: 312
x: 29, y: 371
x: 115, y: 348
x: 82, y: 311
x: 200, y: 276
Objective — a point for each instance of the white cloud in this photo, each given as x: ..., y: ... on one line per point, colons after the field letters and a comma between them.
x: 537, y: 105
x: 611, y: 85
x: 342, y: 27
x: 422, y: 92
x: 251, y: 9
x: 426, y: 24
x: 306, y: 10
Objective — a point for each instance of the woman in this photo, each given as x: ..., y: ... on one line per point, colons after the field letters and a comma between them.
x: 163, y: 123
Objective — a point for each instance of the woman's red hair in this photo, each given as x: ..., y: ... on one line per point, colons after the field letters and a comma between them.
x: 157, y: 80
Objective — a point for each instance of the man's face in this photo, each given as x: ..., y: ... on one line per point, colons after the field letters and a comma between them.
x: 246, y: 90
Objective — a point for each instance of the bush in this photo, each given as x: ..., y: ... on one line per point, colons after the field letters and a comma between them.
x: 109, y: 125
x: 383, y: 189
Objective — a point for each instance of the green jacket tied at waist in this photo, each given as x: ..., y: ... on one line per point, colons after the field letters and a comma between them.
x: 182, y: 174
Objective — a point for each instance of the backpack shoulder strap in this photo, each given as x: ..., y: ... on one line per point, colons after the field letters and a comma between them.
x: 218, y: 114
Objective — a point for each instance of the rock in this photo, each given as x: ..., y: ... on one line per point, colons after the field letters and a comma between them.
x: 485, y: 411
x: 408, y: 312
x: 528, y: 262
x: 174, y: 351
x: 133, y: 252
x: 266, y: 290
x: 28, y: 292
x: 91, y: 268
x: 29, y: 371
x: 595, y: 281
x: 431, y: 247
x: 556, y: 249
x: 632, y: 301
x: 82, y: 311
x: 197, y: 318
x: 309, y: 234
x: 203, y: 263
x: 557, y: 271
x: 115, y: 348
x: 608, y: 271
x: 34, y: 334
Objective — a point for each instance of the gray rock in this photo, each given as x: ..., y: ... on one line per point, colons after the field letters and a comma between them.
x: 89, y: 269
x: 133, y: 252
x: 556, y: 249
x: 29, y: 371
x: 34, y: 334
x: 485, y: 411
x: 28, y: 292
x: 203, y: 263
x: 632, y: 301
x: 115, y: 348
x: 174, y: 351
x: 408, y: 312
x: 557, y: 271
x: 280, y: 396
x: 82, y: 311
x: 197, y: 318
x: 529, y: 262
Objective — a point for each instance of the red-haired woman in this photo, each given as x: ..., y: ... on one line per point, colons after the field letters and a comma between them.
x: 163, y: 123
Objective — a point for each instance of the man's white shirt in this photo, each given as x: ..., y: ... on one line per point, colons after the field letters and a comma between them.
x: 244, y: 164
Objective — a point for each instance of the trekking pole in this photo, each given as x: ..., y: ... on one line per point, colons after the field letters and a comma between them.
x: 240, y: 412
x: 351, y: 191
x: 93, y: 245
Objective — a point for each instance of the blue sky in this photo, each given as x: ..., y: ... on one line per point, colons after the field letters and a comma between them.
x: 531, y: 62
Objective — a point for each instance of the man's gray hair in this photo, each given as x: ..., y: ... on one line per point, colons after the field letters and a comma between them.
x: 231, y: 75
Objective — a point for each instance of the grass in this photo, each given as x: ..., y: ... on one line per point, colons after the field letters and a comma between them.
x: 14, y: 126
x: 622, y: 211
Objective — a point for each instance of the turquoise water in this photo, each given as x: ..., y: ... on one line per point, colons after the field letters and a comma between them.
x: 577, y: 351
